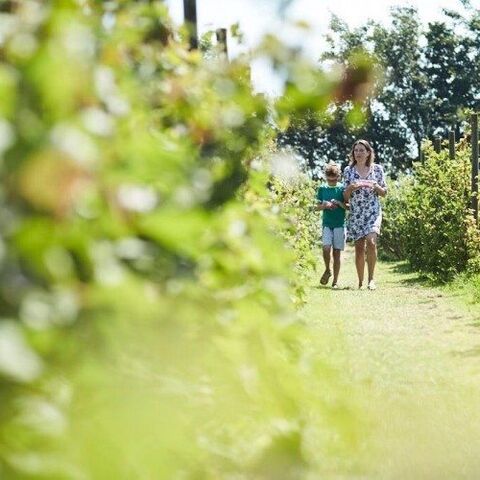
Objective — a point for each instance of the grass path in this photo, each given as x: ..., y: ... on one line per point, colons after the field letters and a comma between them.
x: 413, y: 355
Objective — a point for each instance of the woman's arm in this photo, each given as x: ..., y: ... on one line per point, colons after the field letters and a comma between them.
x: 380, y: 191
x: 349, y: 190
x: 350, y: 185
x: 380, y: 187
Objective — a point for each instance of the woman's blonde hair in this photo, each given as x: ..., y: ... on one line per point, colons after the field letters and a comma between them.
x: 371, y: 152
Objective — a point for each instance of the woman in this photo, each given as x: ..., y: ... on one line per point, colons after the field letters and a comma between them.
x: 364, y: 183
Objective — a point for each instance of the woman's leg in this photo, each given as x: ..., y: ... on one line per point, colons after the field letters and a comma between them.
x: 371, y: 254
x: 360, y: 259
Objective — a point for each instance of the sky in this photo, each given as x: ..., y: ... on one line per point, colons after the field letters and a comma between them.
x: 258, y: 17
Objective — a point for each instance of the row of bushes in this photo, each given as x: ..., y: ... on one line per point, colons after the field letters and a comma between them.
x: 293, y: 198
x: 147, y: 326
x: 428, y: 218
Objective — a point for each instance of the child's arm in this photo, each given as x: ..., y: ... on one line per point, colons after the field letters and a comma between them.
x: 340, y: 204
x: 323, y: 205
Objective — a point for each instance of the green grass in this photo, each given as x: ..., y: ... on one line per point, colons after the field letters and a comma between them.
x: 411, y: 352
x: 466, y: 287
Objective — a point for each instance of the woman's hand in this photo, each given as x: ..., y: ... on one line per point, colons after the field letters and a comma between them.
x: 379, y: 190
x: 349, y: 190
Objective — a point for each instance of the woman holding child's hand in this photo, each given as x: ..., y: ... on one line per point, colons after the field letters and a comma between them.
x: 364, y: 183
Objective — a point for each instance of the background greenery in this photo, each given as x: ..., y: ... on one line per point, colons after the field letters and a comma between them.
x: 429, y: 76
x: 428, y: 217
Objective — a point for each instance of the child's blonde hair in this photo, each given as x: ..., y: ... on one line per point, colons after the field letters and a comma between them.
x: 332, y: 170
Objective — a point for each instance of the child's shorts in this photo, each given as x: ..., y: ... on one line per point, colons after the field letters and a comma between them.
x: 334, y: 237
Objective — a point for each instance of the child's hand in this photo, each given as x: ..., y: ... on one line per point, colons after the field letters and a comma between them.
x: 334, y: 204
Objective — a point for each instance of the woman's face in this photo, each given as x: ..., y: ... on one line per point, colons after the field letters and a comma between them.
x: 360, y: 152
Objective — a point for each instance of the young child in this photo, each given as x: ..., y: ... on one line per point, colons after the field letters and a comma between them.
x: 330, y: 200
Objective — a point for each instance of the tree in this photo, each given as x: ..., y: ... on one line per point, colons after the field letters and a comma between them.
x: 450, y: 69
x: 429, y: 76
x: 403, y: 99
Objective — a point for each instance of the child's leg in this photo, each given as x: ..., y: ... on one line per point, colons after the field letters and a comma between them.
x: 336, y: 264
x: 338, y: 246
x: 327, y: 239
x: 326, y: 256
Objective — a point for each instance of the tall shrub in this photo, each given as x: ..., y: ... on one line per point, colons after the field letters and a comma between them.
x: 428, y: 220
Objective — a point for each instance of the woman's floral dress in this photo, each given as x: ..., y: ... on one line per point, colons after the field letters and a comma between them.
x: 365, y: 209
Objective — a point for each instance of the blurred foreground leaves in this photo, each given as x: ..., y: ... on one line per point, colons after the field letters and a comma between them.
x: 146, y: 288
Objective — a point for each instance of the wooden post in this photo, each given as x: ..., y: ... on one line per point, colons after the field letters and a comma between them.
x: 437, y: 144
x: 474, y: 123
x: 222, y: 40
x: 190, y: 15
x: 451, y: 144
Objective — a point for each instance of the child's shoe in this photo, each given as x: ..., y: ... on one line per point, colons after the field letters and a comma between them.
x: 371, y: 285
x: 325, y: 277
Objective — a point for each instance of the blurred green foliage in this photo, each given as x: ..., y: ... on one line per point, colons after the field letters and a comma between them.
x: 148, y: 275
x: 428, y: 218
x: 292, y: 199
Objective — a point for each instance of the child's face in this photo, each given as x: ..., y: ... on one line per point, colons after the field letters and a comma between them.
x: 332, y: 179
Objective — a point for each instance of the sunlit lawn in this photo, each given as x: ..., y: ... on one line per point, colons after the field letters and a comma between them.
x: 412, y: 354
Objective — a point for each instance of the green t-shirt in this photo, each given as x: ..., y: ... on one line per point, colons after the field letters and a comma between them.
x: 332, y: 218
